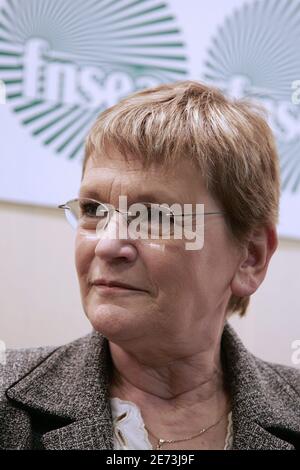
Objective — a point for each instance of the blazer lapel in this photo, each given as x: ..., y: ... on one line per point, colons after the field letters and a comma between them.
x: 259, y: 420
x: 70, y: 387
x: 89, y: 433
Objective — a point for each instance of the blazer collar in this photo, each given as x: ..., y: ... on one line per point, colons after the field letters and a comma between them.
x: 71, y: 385
x: 70, y: 389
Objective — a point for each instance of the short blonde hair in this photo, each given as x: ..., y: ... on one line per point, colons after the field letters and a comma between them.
x: 229, y: 140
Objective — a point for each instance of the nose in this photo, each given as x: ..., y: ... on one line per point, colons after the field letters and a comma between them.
x: 111, y: 246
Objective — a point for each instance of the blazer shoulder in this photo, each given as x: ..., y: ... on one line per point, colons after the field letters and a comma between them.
x: 20, y: 362
x: 280, y: 382
x: 16, y: 363
x: 286, y: 374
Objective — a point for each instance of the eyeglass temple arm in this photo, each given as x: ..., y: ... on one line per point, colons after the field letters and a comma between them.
x: 199, y: 213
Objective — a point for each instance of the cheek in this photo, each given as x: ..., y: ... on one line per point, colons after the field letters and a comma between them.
x: 83, y: 256
x: 169, y: 270
x: 217, y: 262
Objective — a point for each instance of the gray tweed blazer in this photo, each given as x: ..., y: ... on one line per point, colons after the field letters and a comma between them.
x: 57, y: 398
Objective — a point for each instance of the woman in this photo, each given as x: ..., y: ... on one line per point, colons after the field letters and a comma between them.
x: 162, y: 367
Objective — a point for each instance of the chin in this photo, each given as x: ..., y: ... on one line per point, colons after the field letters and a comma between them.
x: 112, y: 321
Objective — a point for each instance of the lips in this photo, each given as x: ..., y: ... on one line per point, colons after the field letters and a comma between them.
x: 103, y: 282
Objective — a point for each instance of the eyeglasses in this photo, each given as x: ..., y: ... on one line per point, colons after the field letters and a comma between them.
x: 150, y: 219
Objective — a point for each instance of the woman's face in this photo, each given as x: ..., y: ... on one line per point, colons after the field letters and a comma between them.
x: 179, y: 293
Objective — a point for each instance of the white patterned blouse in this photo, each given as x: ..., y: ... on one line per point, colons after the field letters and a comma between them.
x: 129, y: 429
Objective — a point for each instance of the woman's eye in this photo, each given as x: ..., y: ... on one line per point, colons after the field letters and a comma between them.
x: 88, y: 209
x: 93, y: 210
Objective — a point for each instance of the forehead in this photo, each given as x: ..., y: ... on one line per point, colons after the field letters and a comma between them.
x: 108, y: 176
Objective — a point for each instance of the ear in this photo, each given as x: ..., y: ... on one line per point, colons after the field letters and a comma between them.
x: 254, y: 261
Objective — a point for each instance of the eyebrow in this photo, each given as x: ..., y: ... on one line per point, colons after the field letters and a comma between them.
x: 147, y: 196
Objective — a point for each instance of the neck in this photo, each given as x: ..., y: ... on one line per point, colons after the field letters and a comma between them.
x: 182, y: 388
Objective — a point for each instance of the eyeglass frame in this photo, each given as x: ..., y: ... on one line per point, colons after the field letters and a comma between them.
x: 111, y: 209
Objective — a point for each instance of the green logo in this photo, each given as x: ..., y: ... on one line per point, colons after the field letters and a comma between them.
x: 255, y: 53
x: 64, y: 61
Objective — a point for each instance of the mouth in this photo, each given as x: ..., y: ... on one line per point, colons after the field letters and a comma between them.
x: 110, y: 287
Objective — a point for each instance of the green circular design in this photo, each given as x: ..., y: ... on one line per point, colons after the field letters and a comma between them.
x: 259, y: 42
x: 139, y: 38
